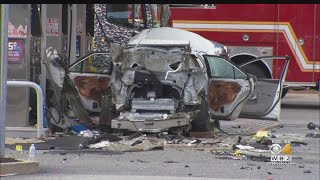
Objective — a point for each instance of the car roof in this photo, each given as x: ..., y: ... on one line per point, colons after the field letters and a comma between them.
x: 174, y: 37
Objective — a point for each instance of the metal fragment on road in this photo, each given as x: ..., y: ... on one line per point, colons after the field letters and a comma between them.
x: 239, y: 146
x: 313, y: 135
x: 102, y: 144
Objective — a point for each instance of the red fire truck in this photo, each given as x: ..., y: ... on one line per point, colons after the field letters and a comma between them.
x: 252, y: 30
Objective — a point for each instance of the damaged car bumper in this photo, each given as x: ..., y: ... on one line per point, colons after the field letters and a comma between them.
x: 150, y: 122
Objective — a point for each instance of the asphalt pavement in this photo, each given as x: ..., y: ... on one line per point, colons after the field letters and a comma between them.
x: 297, y: 112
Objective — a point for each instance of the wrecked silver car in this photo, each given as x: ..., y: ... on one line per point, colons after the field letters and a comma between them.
x: 163, y: 79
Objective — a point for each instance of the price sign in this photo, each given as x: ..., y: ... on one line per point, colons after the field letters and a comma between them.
x: 15, y: 50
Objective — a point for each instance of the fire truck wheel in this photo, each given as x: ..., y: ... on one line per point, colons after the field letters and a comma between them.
x: 257, y: 70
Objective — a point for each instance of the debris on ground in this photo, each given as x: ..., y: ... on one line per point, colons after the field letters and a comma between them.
x: 245, y: 167
x: 170, y: 162
x: 89, y: 133
x: 306, y: 171
x: 313, y: 135
x: 78, y: 128
x: 239, y: 146
x: 135, y: 142
x: 228, y: 157
x: 219, y: 152
x: 230, y: 141
x: 261, y: 134
x: 196, y: 141
x: 253, y: 147
x: 87, y: 142
x: 102, y: 144
x: 254, y: 154
x: 140, y: 161
x: 135, y: 135
x: 267, y: 137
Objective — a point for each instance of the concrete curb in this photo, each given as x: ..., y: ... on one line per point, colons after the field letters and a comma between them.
x: 301, y: 101
x: 22, y: 167
x: 300, y: 106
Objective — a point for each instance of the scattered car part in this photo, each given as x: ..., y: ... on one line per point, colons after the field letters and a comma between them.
x: 312, y: 126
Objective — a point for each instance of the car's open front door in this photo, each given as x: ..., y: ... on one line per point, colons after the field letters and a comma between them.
x: 90, y: 76
x: 265, y: 101
x: 228, y: 88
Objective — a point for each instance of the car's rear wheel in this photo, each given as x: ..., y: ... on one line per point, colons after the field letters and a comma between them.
x: 201, y: 123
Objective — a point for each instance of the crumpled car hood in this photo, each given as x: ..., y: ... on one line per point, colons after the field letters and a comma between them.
x: 175, y: 37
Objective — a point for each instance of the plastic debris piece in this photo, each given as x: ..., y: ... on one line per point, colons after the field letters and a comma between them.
x: 165, y: 116
x: 193, y: 142
x: 261, y: 134
x: 32, y: 152
x: 244, y: 147
x: 89, y: 133
x: 237, y: 153
x: 101, y: 144
x: 77, y: 129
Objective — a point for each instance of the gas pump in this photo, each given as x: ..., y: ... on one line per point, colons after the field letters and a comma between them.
x: 18, y: 64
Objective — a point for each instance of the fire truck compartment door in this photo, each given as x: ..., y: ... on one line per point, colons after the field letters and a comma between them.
x: 228, y: 88
x: 265, y: 101
x: 91, y: 75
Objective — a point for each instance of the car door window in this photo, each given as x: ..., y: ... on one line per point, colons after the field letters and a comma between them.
x: 220, y: 68
x: 95, y: 63
x: 228, y: 88
x: 99, y: 63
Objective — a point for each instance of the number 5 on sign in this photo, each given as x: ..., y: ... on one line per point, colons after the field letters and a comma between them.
x: 18, y: 148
